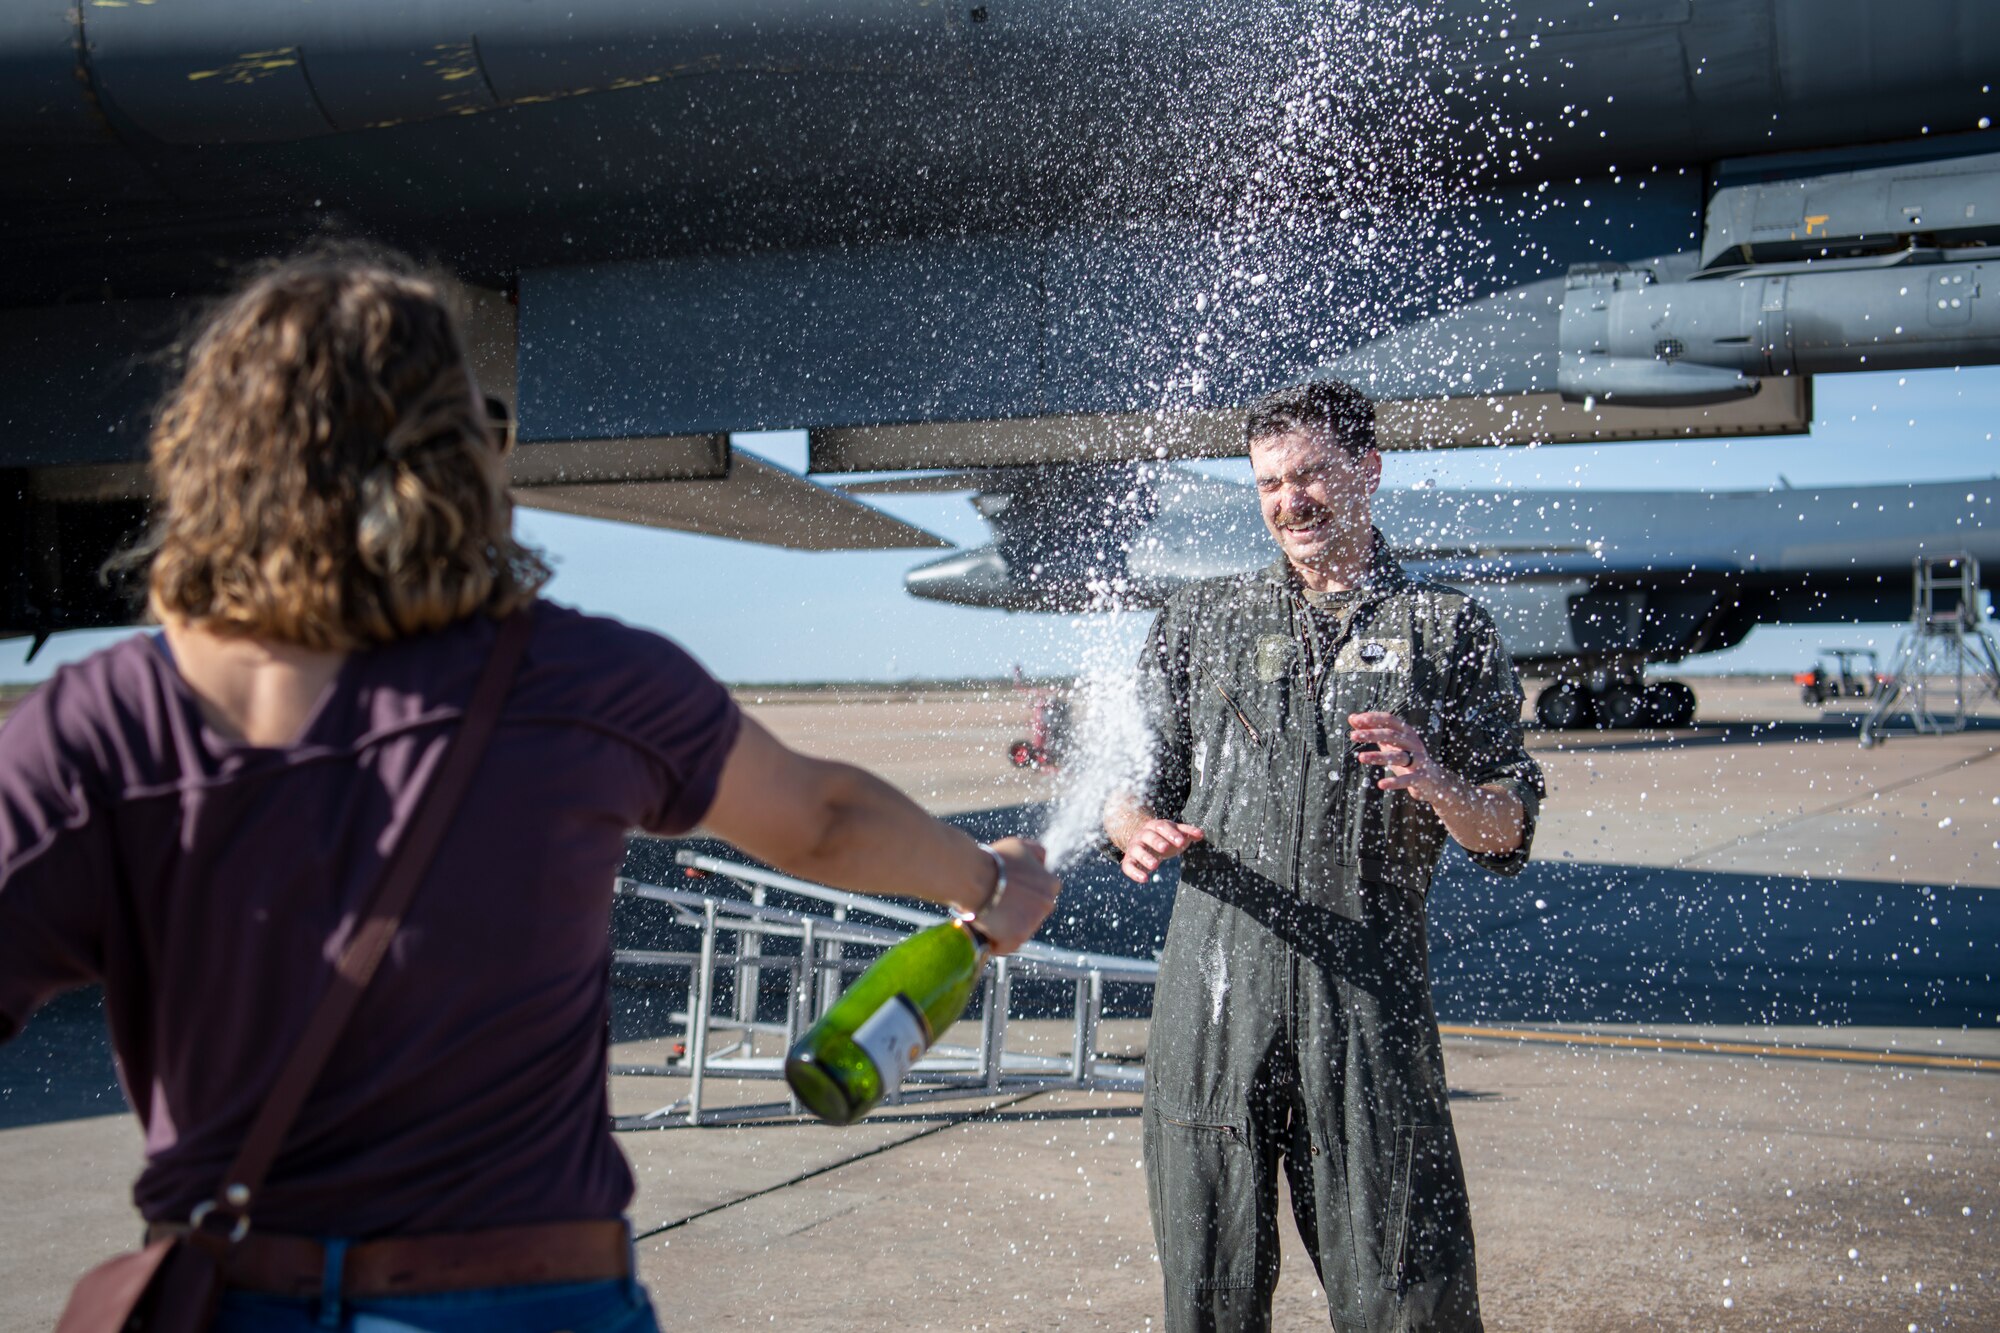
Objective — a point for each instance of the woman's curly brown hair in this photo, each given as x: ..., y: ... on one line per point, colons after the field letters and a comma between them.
x: 324, y: 472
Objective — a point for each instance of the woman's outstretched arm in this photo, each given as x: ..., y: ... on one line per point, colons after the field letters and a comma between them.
x: 841, y: 825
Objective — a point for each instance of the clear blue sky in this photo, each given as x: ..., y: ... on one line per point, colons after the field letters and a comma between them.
x: 759, y: 614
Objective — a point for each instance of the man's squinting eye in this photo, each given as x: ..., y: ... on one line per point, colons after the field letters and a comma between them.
x: 1303, y: 477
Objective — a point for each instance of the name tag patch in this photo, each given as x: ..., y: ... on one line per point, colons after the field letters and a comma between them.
x: 1367, y: 653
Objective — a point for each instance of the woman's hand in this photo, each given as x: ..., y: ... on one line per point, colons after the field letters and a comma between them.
x: 1030, y: 897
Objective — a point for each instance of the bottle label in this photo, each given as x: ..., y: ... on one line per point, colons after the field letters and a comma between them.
x: 893, y: 1038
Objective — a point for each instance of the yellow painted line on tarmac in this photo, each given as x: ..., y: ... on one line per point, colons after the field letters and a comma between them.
x: 1971, y: 1063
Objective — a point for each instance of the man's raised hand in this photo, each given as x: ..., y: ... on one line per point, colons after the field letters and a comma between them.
x: 1400, y: 750
x: 1157, y: 842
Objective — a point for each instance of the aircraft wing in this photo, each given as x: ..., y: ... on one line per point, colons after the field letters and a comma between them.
x: 1529, y: 564
x: 922, y: 483
x: 750, y: 501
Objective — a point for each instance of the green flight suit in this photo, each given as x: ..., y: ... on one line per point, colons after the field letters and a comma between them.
x: 1293, y: 1019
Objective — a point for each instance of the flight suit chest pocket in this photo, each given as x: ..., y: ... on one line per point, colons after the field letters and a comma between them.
x: 1234, y: 735
x: 1244, y: 698
x: 1370, y: 674
x: 1273, y: 658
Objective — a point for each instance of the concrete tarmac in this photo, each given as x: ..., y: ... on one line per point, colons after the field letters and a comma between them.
x: 1663, y: 1125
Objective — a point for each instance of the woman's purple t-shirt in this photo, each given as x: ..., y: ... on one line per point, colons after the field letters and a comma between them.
x: 209, y: 884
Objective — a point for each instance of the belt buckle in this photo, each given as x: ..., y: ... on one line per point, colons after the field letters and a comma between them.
x: 204, y: 1210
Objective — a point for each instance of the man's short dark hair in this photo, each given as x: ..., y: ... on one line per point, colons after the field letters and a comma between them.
x: 1336, y: 410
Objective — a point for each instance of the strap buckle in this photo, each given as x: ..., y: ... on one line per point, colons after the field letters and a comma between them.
x: 203, y: 1211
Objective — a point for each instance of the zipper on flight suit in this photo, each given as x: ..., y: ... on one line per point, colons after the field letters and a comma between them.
x: 1255, y: 738
x: 1220, y: 1126
x: 1294, y: 613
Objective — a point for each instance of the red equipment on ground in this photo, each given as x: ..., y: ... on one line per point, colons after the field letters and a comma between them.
x: 1049, y: 727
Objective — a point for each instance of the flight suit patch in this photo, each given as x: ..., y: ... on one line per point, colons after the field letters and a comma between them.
x: 1275, y: 654
x: 1369, y: 653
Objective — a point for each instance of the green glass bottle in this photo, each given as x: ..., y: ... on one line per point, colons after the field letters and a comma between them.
x: 866, y: 1042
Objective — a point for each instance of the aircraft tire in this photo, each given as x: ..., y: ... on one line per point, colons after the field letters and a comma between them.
x: 1563, y: 707
x: 1622, y: 707
x: 1670, y: 703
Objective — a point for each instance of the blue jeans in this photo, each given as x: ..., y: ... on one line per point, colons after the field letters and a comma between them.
x: 579, y: 1307
x: 616, y: 1306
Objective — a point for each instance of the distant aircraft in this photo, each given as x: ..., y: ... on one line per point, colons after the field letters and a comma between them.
x: 1588, y: 587
x: 947, y: 235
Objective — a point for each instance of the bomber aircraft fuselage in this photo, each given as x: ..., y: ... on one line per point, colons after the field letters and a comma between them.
x: 1588, y: 587
x: 952, y: 235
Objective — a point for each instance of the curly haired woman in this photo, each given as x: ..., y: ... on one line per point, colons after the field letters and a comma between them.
x: 196, y: 817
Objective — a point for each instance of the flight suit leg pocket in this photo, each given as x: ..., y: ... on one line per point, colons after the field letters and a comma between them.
x: 1202, y: 1183
x: 1427, y: 1233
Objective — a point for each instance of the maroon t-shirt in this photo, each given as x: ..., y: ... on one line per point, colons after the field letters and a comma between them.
x: 210, y: 883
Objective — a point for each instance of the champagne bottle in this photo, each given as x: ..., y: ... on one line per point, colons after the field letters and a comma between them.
x: 866, y: 1042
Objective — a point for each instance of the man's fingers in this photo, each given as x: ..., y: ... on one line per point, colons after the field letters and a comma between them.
x: 1156, y: 842
x: 1166, y: 837
x: 1138, y: 866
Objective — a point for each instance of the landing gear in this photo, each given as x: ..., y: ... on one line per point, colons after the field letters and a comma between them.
x: 1564, y: 706
x: 1671, y: 703
x: 1622, y: 706
x: 1571, y: 705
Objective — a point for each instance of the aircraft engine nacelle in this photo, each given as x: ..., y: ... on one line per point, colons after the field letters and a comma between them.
x: 1818, y: 271
x: 1876, y: 269
x: 1628, y: 337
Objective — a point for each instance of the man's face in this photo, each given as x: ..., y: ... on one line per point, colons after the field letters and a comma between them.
x: 1314, y: 494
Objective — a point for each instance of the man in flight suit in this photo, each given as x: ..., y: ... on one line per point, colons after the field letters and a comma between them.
x: 1320, y: 727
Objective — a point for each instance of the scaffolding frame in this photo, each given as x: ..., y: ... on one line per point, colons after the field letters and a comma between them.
x: 727, y: 1045
x: 1947, y: 649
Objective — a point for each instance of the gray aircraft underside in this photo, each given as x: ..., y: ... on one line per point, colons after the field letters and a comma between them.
x: 1587, y: 587
x: 1000, y: 234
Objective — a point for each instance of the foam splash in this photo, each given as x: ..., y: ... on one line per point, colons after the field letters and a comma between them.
x: 1335, y: 209
x: 1111, y: 752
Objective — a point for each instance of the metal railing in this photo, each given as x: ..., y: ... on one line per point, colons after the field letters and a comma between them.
x: 1946, y: 660
x: 732, y: 935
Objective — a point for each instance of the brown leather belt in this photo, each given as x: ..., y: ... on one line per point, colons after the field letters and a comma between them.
x: 420, y: 1265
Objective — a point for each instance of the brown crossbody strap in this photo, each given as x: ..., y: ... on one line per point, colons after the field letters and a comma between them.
x: 365, y: 950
